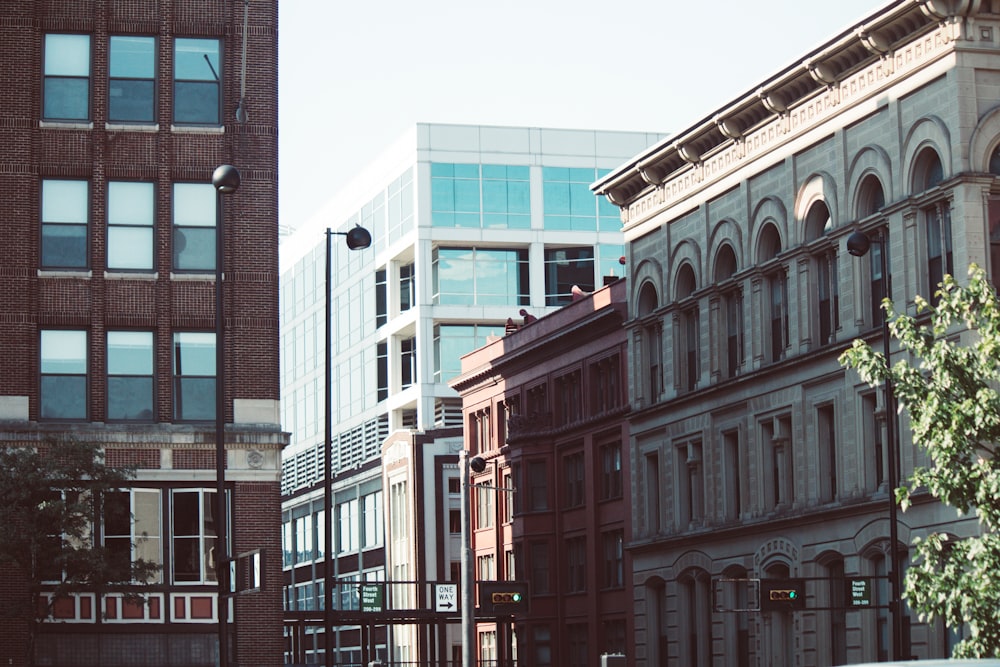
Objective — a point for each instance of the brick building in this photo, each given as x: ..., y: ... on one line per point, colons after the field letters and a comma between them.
x: 114, y: 117
x: 546, y: 406
x: 756, y: 455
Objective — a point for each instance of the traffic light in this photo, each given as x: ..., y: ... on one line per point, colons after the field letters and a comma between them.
x: 778, y: 594
x: 503, y: 598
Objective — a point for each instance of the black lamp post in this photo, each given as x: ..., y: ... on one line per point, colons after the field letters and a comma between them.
x: 858, y: 245
x: 358, y: 238
x: 226, y: 180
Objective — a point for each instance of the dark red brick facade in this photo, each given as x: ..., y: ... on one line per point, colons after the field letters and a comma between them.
x: 162, y: 301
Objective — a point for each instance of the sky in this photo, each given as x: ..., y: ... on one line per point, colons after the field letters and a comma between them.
x: 354, y: 75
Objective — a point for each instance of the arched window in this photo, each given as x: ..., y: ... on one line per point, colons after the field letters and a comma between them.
x: 826, y: 319
x: 687, y: 331
x: 776, y: 279
x: 736, y: 596
x: 695, y: 605
x: 780, y: 649
x: 871, y: 196
x: 994, y: 222
x: 649, y: 365
x: 927, y: 174
x: 731, y: 329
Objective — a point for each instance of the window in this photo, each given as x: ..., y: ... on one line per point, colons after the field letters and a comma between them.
x: 611, y: 471
x: 194, y: 530
x: 194, y: 376
x: 649, y: 364
x: 407, y: 362
x: 691, y: 488
x: 542, y: 635
x: 488, y: 647
x: 614, y: 636
x: 485, y: 510
x: 566, y: 268
x: 194, y: 226
x: 568, y: 394
x: 577, y: 637
x: 605, y: 384
x: 690, y: 338
x: 733, y: 305
x: 837, y: 592
x: 381, y: 298
x: 778, y: 462
x: 132, y: 527
x: 66, y: 94
x: 451, y: 341
x: 407, y: 288
x: 130, y: 376
x: 480, y: 277
x: 455, y: 198
x: 732, y: 471
x: 486, y: 568
x: 695, y: 615
x: 576, y: 564
x: 818, y: 223
x: 614, y: 558
x: 347, y: 525
x: 197, y: 77
x: 472, y: 195
x: 573, y: 480
x: 371, y: 508
x: 540, y: 568
x: 132, y: 79
x: 382, y: 370
x: 506, y: 197
x: 826, y: 435
x: 507, y: 495
x: 873, y: 443
x: 652, y: 479
x: 304, y: 543
x: 64, y: 224
x: 454, y: 521
x: 880, y: 284
x: 939, y: 248
x: 538, y: 486
x: 130, y: 226
x: 569, y: 202
x: 64, y: 375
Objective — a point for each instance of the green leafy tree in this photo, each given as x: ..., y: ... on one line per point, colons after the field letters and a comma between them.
x: 948, y: 385
x: 50, y: 498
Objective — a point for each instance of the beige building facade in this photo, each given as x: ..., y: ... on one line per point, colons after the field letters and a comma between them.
x: 755, y: 455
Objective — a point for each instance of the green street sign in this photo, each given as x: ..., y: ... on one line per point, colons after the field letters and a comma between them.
x: 860, y: 593
x: 371, y: 597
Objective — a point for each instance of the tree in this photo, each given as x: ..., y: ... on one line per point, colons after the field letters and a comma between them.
x: 950, y: 392
x: 51, y: 496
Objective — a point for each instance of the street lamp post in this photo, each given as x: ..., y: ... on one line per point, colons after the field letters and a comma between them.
x: 858, y: 245
x: 358, y: 238
x: 226, y: 180
x: 465, y: 466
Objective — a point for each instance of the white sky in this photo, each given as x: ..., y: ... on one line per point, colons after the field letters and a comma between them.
x: 355, y: 74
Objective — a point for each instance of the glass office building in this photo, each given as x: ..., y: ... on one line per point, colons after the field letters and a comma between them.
x: 471, y: 225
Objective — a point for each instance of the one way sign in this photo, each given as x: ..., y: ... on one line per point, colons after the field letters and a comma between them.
x: 445, y: 597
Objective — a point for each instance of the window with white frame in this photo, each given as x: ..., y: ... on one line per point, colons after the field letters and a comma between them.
x: 131, y: 527
x: 194, y: 227
x: 66, y: 89
x: 130, y: 376
x: 197, y: 81
x: 130, y: 226
x: 194, y: 376
x: 371, y: 508
x: 64, y: 224
x: 131, y: 79
x: 194, y: 536
x: 63, y: 363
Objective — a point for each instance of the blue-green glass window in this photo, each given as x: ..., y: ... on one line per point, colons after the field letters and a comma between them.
x: 64, y: 224
x: 506, y: 201
x: 130, y: 226
x: 197, y: 78
x: 451, y: 341
x: 194, y: 227
x: 480, y: 276
x: 609, y: 216
x: 569, y: 203
x: 609, y: 261
x: 455, y: 195
x: 63, y: 375
x: 130, y: 376
x: 564, y: 268
x: 131, y: 79
x: 66, y: 89
x: 194, y: 376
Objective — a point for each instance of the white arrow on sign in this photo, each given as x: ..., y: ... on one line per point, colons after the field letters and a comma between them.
x: 445, y: 597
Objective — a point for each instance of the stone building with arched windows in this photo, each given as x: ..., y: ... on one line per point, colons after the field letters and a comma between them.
x: 755, y: 455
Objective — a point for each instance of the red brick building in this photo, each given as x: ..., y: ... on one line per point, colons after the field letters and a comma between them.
x: 114, y: 116
x: 546, y: 406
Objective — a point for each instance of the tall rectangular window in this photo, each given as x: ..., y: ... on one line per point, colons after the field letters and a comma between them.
x: 382, y: 370
x: 131, y: 527
x: 194, y: 532
x: 197, y: 81
x: 131, y: 79
x: 576, y: 564
x: 407, y: 288
x: 732, y: 471
x: 879, y: 283
x: 348, y: 530
x: 568, y: 395
x: 566, y: 268
x: 778, y: 291
x: 538, y: 486
x: 66, y: 90
x: 611, y: 470
x: 614, y: 558
x: 381, y: 298
x: 371, y: 511
x: 64, y: 224
x: 485, y: 510
x: 130, y: 376
x: 194, y: 376
x: 733, y: 304
x: 194, y: 227
x: 826, y: 437
x: 506, y: 196
x: 939, y: 247
x: 64, y: 374
x: 828, y: 288
x: 407, y: 362
x: 540, y: 568
x: 573, y: 480
x: 130, y: 226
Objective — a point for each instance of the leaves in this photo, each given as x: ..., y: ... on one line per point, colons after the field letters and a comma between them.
x: 950, y: 392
